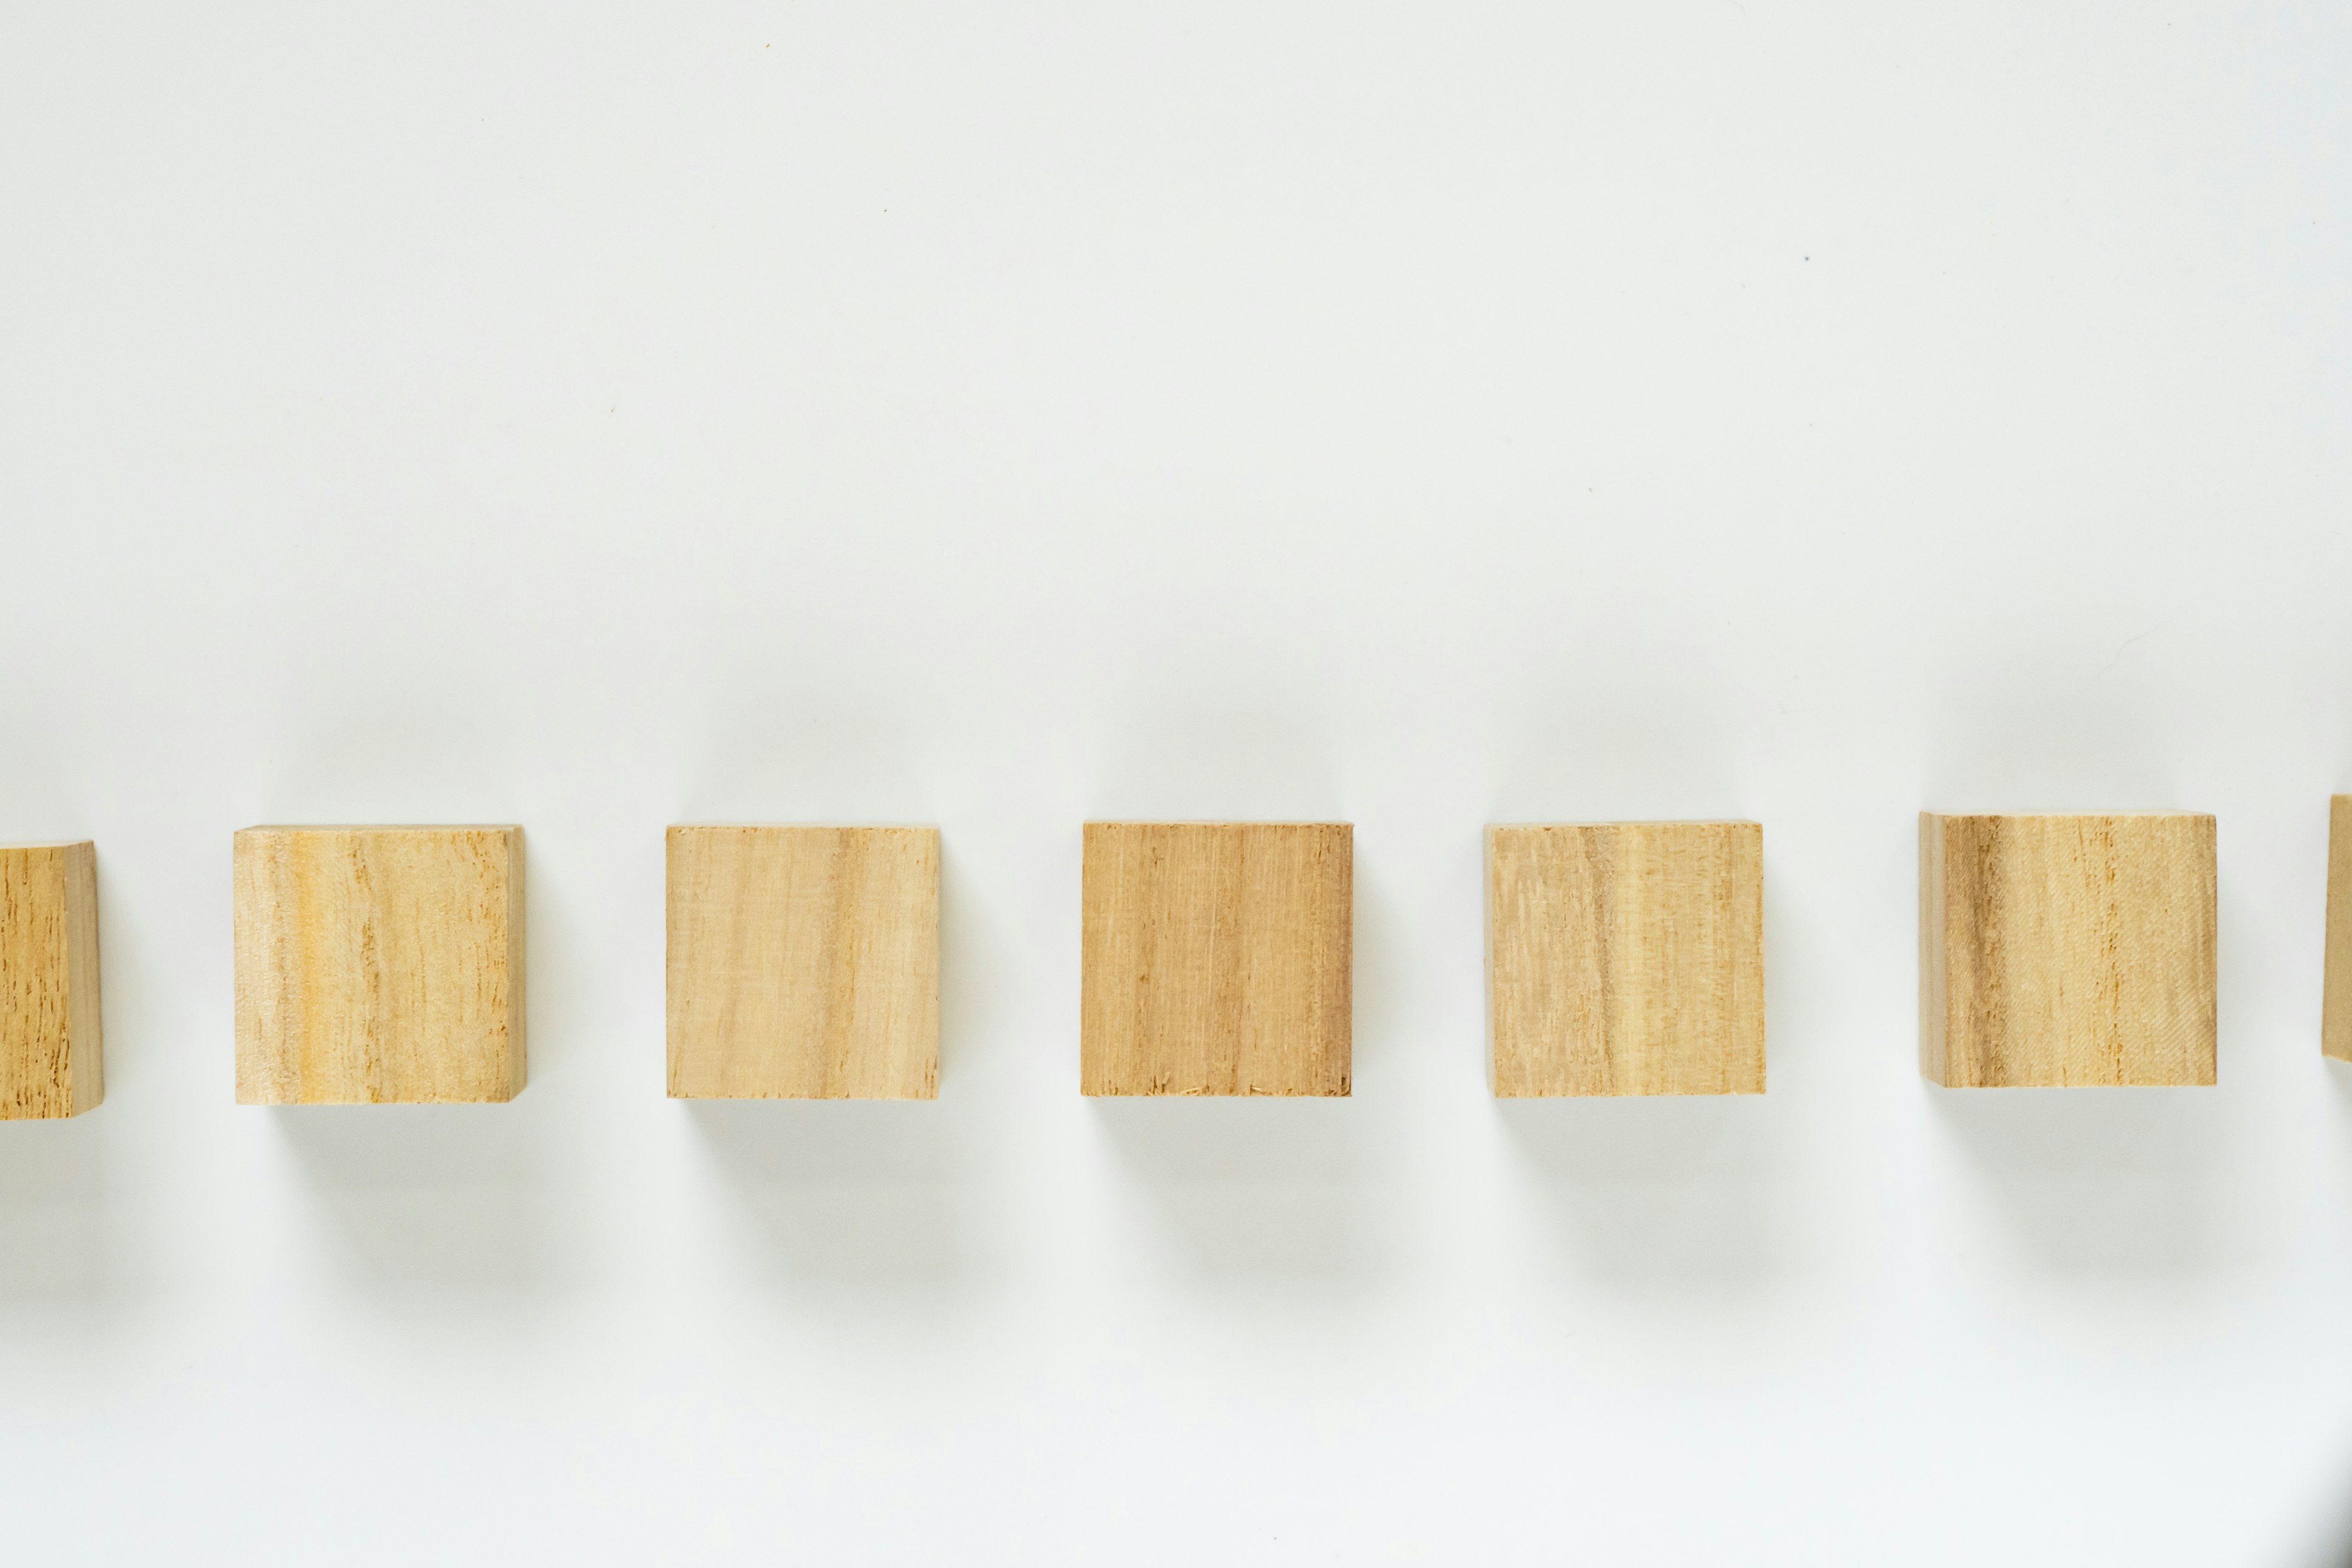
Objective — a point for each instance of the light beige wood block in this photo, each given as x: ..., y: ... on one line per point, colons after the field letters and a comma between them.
x: 2335, y: 1013
x: 1217, y: 958
x: 2066, y: 951
x: 1626, y: 958
x: 50, y: 1039
x: 379, y: 965
x: 803, y: 963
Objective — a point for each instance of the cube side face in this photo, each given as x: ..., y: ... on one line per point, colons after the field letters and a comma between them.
x: 1626, y: 958
x: 1934, y: 979
x: 2335, y: 1011
x: 87, y: 1028
x: 2078, y: 951
x: 1217, y: 959
x: 51, y: 1045
x: 803, y: 963
x: 379, y: 965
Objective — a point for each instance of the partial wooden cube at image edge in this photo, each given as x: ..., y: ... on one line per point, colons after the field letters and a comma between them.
x: 379, y: 965
x: 803, y: 963
x: 52, y: 1062
x: 1217, y: 959
x: 1625, y: 958
x: 2335, y: 1009
x: 2067, y: 950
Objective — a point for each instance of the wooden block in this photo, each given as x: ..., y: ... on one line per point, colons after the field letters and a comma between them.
x: 1626, y: 958
x: 1218, y: 958
x: 50, y: 1040
x: 379, y: 965
x: 2335, y: 1012
x: 803, y: 963
x: 2061, y: 950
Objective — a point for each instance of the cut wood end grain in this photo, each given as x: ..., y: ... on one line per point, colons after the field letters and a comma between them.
x: 1625, y: 958
x: 2067, y: 950
x: 803, y: 961
x: 1217, y: 958
x: 52, y: 1046
x: 379, y: 964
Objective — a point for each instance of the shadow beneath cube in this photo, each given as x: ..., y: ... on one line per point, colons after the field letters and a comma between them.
x: 1253, y: 1189
x: 844, y: 1192
x: 1673, y: 1193
x: 2096, y: 1182
x: 428, y: 1199
x: 55, y: 1223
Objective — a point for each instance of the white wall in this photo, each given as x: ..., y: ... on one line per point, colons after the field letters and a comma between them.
x: 1001, y: 415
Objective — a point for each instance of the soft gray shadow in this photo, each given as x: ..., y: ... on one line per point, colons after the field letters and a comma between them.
x: 2338, y: 1075
x: 1673, y: 1193
x: 1622, y: 755
x: 1379, y: 970
x: 1250, y: 1189
x: 2012, y: 741
x: 432, y: 1199
x: 975, y: 967
x: 1181, y: 761
x: 56, y: 1226
x: 802, y: 754
x: 568, y: 988
x: 2327, y: 1543
x: 2098, y: 1182
x: 381, y: 756
x: 861, y: 1193
x: 122, y: 973
x: 1793, y: 989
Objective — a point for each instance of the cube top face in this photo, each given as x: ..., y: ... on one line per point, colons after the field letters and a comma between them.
x: 379, y: 965
x: 2066, y: 951
x: 2335, y: 1013
x: 803, y: 963
x: 1218, y: 958
x: 1626, y: 958
x: 51, y: 1049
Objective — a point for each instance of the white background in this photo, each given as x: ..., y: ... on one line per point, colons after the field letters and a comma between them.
x: 1003, y: 415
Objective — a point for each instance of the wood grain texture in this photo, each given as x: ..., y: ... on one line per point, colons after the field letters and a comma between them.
x: 1626, y: 958
x: 2335, y: 1013
x: 379, y: 965
x: 803, y: 963
x: 2066, y: 951
x: 1217, y: 958
x: 52, y: 1059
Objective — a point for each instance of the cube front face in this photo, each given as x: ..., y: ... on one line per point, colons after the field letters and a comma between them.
x: 803, y: 963
x: 1218, y: 958
x: 1626, y: 958
x: 379, y: 965
x: 51, y: 1048
x: 2066, y: 951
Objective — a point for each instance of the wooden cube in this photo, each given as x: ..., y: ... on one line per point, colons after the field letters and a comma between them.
x: 803, y: 963
x: 50, y: 1039
x: 1626, y: 958
x: 2335, y: 1013
x: 1217, y: 958
x: 379, y: 965
x: 2065, y: 951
